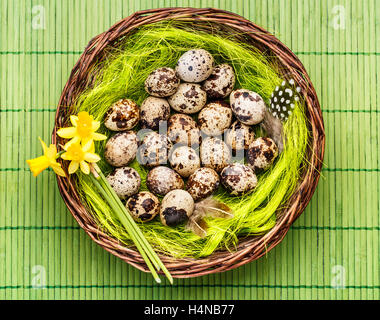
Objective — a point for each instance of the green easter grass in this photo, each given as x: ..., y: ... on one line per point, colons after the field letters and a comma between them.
x: 122, y: 76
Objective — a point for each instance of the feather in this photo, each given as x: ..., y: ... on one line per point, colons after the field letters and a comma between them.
x: 283, y: 99
x: 208, y: 207
x: 197, y: 227
x: 274, y: 129
x: 281, y: 106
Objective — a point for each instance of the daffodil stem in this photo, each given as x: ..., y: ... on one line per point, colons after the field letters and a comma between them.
x: 126, y: 224
x: 60, y: 153
x: 133, y: 224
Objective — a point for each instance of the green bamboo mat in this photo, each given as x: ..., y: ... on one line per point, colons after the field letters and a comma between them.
x: 331, y: 252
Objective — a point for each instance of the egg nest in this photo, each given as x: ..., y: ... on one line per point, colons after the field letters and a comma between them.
x: 121, y: 74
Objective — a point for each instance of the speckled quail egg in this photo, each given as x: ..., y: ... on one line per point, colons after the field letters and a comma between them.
x: 220, y: 83
x: 248, y: 107
x: 121, y: 149
x: 202, y: 183
x: 125, y: 181
x: 238, y: 178
x: 184, y: 160
x: 182, y: 129
x: 162, y: 82
x: 214, y: 153
x: 162, y: 180
x: 261, y: 153
x: 189, y: 98
x: 122, y: 115
x: 239, y: 136
x: 153, y: 111
x: 176, y: 207
x: 195, y: 65
x: 214, y: 118
x: 154, y: 150
x: 143, y: 206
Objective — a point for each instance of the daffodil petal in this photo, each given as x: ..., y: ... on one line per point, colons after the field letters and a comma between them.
x: 58, y: 170
x: 43, y: 144
x: 84, y: 115
x: 37, y: 165
x: 73, y: 167
x: 51, y: 152
x: 74, y: 120
x: 84, y: 167
x: 86, y: 141
x: 95, y: 125
x: 67, y: 133
x: 88, y: 145
x: 72, y: 141
x: 91, y: 157
x: 64, y: 156
x: 98, y: 136
x: 92, y: 149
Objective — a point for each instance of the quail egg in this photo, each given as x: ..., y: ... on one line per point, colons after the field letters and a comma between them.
x: 184, y: 160
x: 239, y: 136
x: 125, y: 181
x: 143, y: 206
x: 214, y: 153
x: 122, y: 115
x: 182, y: 129
x: 154, y: 150
x: 261, y: 153
x: 220, y: 83
x: 195, y: 65
x: 202, y: 183
x: 121, y: 149
x: 153, y: 111
x: 215, y: 118
x: 162, y: 82
x: 248, y: 107
x: 238, y: 178
x: 176, y: 207
x: 161, y: 180
x: 189, y: 98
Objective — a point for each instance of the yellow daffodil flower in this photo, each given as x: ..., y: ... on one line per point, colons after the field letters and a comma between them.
x: 83, y: 130
x: 80, y: 156
x: 49, y: 159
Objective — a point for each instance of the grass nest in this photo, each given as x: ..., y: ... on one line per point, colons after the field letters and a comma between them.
x: 122, y: 74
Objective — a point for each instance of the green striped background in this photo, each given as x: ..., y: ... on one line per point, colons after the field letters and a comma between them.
x: 336, y: 240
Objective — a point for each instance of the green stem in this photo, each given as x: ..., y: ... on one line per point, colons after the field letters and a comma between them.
x: 132, y: 224
x: 147, y: 245
x: 60, y: 153
x: 127, y: 225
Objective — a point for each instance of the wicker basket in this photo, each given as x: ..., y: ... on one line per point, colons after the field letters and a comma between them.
x: 249, y: 249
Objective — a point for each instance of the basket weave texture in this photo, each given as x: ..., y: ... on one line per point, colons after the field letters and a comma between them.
x: 250, y: 248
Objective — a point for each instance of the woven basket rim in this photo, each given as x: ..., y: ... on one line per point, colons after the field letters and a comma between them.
x: 250, y: 248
